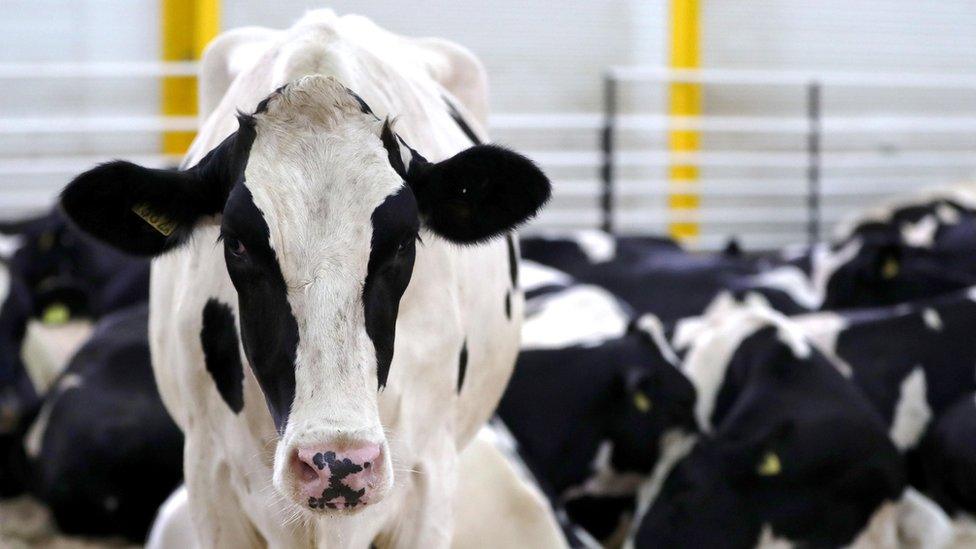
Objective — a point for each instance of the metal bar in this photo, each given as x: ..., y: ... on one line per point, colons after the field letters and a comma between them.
x: 813, y: 163
x: 606, y: 141
x: 793, y: 78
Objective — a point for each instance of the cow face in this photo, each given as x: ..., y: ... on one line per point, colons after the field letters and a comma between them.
x: 323, y: 208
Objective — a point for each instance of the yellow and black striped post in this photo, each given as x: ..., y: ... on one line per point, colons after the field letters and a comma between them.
x: 685, y: 100
x: 187, y: 27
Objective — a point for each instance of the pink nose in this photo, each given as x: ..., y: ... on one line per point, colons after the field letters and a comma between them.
x: 336, y: 479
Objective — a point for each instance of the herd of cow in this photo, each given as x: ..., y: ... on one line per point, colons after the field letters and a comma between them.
x: 660, y: 396
x: 332, y: 317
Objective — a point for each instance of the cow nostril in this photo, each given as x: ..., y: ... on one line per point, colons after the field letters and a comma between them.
x: 309, y: 474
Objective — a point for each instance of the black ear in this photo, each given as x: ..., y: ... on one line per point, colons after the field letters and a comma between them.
x: 478, y: 193
x: 147, y: 211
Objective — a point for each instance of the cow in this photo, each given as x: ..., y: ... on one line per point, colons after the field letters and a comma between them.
x: 103, y: 453
x: 914, y: 362
x: 908, y: 249
x: 654, y: 275
x: 789, y: 448
x: 299, y: 239
x: 610, y: 400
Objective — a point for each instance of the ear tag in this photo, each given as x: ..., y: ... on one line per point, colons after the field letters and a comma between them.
x: 770, y: 465
x: 159, y: 222
x: 642, y: 402
x: 56, y: 313
x: 890, y: 268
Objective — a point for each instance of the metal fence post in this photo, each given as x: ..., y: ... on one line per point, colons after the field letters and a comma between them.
x: 813, y: 162
x: 606, y: 142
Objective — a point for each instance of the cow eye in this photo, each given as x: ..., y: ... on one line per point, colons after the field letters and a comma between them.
x: 235, y: 246
x: 404, y: 246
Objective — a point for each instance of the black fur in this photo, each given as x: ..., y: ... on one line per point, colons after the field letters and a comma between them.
x: 220, y: 340
x: 462, y: 365
x: 391, y: 257
x: 269, y: 330
x: 479, y: 193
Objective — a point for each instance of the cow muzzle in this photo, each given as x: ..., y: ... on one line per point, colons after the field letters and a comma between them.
x: 337, y: 477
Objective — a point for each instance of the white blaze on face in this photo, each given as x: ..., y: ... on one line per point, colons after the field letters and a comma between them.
x: 317, y: 171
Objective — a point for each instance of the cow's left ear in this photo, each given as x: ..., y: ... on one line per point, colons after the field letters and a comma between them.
x: 478, y: 193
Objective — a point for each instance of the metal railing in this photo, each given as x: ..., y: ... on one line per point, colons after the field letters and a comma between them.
x: 812, y: 124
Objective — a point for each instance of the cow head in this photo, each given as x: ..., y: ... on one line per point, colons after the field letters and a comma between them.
x: 321, y: 209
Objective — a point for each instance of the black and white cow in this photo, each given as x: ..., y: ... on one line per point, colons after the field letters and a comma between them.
x: 913, y: 248
x: 790, y: 448
x: 653, y: 275
x: 305, y: 239
x: 590, y: 418
x: 103, y: 453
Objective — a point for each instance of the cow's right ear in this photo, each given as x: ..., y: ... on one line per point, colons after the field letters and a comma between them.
x: 138, y: 210
x: 146, y: 211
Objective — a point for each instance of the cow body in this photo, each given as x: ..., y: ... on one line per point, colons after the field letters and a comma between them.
x: 789, y: 449
x: 337, y: 233
x: 100, y: 429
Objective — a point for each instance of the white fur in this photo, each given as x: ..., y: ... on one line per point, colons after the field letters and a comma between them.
x: 35, y: 435
x: 317, y: 203
x: 578, y: 315
x: 534, y: 275
x: 823, y: 329
x: 652, y: 326
x: 920, y: 234
x: 605, y: 481
x: 9, y: 244
x: 912, y: 412
x: 932, y: 319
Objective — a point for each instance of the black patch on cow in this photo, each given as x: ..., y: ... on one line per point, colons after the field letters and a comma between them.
x: 508, y: 304
x: 389, y: 139
x: 263, y: 105
x: 391, y: 256
x: 512, y: 259
x: 220, y: 351
x: 339, y: 469
x: 462, y: 365
x: 461, y: 122
x: 268, y: 327
x: 362, y: 103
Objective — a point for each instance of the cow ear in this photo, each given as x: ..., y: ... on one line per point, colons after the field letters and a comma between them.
x: 478, y: 193
x: 146, y: 211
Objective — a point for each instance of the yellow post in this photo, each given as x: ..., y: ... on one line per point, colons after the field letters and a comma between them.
x: 187, y: 27
x: 684, y: 100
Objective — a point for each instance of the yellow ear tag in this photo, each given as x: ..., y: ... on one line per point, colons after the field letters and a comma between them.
x: 889, y: 269
x: 770, y: 465
x: 642, y: 402
x: 159, y: 222
x: 56, y: 313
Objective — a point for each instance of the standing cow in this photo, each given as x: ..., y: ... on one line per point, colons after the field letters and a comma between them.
x: 306, y: 239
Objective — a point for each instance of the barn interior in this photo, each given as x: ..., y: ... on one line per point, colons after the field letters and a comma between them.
x: 747, y: 308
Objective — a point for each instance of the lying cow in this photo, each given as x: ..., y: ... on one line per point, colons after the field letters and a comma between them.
x: 334, y: 232
x: 790, y: 448
x: 913, y: 248
x: 103, y: 452
x: 611, y: 395
x: 653, y: 275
